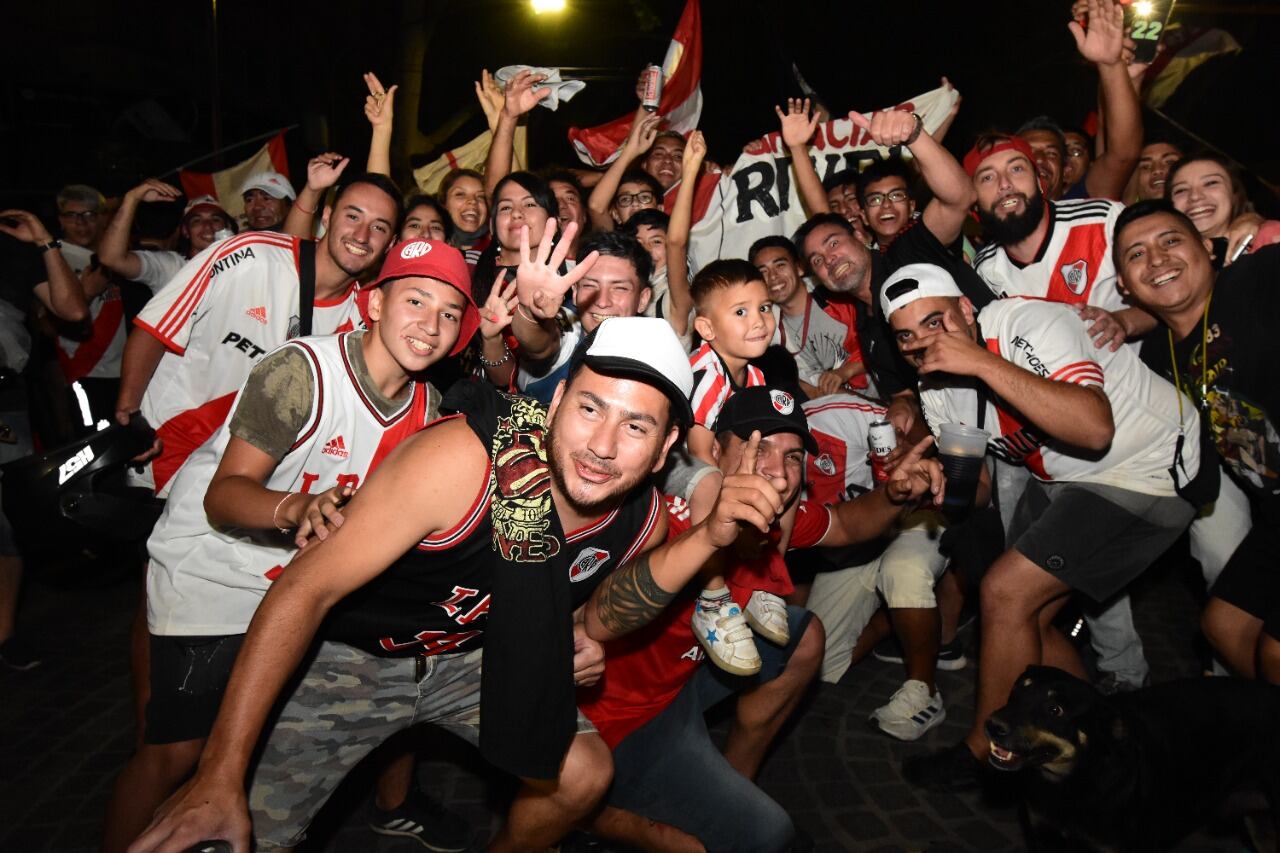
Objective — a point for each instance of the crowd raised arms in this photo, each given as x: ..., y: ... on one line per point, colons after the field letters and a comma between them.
x: 596, y: 427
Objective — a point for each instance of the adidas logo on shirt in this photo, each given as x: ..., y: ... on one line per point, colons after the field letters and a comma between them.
x: 259, y: 314
x: 336, y: 447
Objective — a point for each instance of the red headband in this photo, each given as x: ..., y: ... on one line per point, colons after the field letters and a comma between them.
x: 976, y: 155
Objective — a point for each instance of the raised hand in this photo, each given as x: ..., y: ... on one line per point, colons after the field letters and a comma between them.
x: 886, y: 127
x: 520, y: 96
x: 797, y: 125
x: 24, y: 226
x: 913, y: 477
x: 321, y: 511
x: 153, y: 189
x: 379, y: 106
x: 746, y: 498
x: 643, y: 131
x: 539, y: 285
x: 499, y: 308
x: 490, y: 96
x: 323, y: 170
x: 1103, y: 42
x: 695, y: 150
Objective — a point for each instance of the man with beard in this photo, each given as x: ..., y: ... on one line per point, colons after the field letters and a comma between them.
x: 445, y: 562
x: 239, y: 299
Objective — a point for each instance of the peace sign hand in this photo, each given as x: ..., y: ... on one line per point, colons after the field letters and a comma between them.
x: 798, y: 126
x: 746, y: 498
x: 915, y: 477
x: 539, y: 285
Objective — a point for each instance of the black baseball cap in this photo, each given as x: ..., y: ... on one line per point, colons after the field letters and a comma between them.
x: 769, y: 410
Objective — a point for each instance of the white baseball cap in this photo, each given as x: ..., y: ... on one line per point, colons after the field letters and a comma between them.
x: 273, y: 184
x: 207, y: 202
x: 916, y: 281
x: 643, y: 348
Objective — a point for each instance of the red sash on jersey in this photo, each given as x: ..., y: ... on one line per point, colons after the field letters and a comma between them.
x: 90, y: 352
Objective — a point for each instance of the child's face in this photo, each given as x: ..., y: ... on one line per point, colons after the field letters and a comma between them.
x: 738, y: 320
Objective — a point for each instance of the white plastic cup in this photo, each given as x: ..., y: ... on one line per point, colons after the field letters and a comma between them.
x: 961, y: 450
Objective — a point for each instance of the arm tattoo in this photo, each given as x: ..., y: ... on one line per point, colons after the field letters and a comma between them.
x: 630, y: 597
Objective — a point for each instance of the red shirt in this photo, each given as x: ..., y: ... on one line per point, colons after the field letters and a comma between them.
x: 645, y: 670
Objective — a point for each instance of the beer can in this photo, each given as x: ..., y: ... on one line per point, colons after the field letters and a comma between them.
x: 881, y: 440
x: 652, y: 88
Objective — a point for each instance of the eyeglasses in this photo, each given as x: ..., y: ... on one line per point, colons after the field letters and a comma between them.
x: 82, y: 215
x: 634, y: 199
x: 877, y: 199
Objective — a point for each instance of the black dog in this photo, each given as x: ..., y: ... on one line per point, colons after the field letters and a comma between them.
x: 1137, y: 771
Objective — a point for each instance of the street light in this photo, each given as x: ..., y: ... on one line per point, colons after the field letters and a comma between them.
x: 540, y: 6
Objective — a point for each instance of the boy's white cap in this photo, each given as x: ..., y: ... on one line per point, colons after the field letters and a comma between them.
x: 643, y: 348
x: 916, y: 281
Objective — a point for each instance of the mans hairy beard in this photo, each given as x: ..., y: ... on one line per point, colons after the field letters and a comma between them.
x: 1016, y: 228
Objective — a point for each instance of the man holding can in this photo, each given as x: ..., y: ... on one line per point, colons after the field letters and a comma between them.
x: 1114, y: 452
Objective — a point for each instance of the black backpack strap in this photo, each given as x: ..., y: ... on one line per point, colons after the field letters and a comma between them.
x: 306, y: 286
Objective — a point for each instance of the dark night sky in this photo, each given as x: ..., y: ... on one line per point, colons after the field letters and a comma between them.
x: 79, y: 67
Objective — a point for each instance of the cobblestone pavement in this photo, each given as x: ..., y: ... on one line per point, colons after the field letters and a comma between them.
x: 66, y: 729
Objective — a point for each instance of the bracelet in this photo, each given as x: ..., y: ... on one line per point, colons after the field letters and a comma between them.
x: 520, y: 309
x: 276, y: 511
x: 915, y: 134
x: 506, y: 356
x: 298, y: 205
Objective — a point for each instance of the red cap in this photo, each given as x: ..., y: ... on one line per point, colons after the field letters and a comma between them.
x: 433, y: 259
x: 977, y: 155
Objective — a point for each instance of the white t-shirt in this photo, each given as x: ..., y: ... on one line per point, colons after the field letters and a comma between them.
x: 204, y: 581
x: 228, y: 306
x: 1073, y: 266
x: 840, y: 424
x: 158, y: 267
x: 1048, y: 340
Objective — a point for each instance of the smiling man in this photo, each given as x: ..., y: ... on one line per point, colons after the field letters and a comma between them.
x: 267, y: 197
x: 1225, y: 320
x: 198, y: 338
x: 616, y: 285
x: 532, y: 513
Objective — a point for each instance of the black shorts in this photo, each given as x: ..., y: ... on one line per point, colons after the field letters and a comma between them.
x: 1095, y: 538
x: 188, y: 677
x: 1251, y: 578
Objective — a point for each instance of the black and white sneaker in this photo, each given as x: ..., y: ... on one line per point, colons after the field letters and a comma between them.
x: 950, y: 656
x: 426, y: 821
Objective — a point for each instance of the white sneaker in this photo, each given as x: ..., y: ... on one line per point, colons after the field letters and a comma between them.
x: 911, y: 711
x: 726, y: 637
x: 767, y: 616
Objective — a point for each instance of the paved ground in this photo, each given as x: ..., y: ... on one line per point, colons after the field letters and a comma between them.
x: 66, y: 729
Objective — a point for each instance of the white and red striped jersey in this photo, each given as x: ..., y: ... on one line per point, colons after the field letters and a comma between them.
x: 713, y: 386
x: 1048, y: 340
x: 228, y: 306
x: 206, y: 581
x: 1073, y: 265
x: 97, y: 356
x: 840, y: 423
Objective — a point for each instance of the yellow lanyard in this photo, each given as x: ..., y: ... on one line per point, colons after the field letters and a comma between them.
x: 1204, y: 361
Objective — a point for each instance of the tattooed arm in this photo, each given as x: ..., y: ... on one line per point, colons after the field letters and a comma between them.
x: 638, y: 591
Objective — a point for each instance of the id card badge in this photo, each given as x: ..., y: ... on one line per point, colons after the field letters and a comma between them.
x: 1146, y: 21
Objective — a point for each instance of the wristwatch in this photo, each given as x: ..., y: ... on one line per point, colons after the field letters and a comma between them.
x: 915, y: 134
x: 52, y: 244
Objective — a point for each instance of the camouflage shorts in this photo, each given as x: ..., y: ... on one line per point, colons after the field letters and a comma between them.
x: 345, y: 706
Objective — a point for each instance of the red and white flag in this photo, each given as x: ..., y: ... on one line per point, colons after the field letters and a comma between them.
x: 225, y: 185
x: 681, y: 103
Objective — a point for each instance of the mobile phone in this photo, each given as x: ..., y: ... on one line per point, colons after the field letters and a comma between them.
x: 1241, y: 249
x: 1146, y: 21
